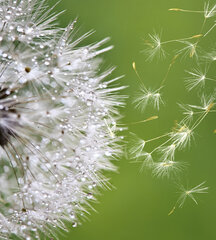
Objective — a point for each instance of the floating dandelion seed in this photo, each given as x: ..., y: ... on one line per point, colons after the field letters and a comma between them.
x: 146, y: 96
x: 147, y: 160
x: 188, y: 112
x: 167, y: 152
x: 190, y: 193
x: 57, y: 121
x: 207, y: 104
x: 137, y: 146
x: 190, y: 49
x: 154, y: 47
x: 208, y: 11
x: 197, y: 78
x: 181, y: 137
x: 167, y: 168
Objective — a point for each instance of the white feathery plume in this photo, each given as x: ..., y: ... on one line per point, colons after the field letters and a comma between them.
x: 146, y: 96
x: 154, y: 47
x: 189, y: 193
x: 196, y: 78
x: 167, y: 168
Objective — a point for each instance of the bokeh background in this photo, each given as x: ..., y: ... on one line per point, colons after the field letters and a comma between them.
x: 138, y: 205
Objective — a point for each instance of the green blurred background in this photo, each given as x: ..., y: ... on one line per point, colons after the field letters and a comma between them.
x: 137, y: 208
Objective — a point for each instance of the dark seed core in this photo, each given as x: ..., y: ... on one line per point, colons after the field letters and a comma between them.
x: 4, y: 136
x: 28, y: 69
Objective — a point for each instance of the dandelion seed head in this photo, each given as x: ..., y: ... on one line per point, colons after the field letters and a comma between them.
x: 58, y: 117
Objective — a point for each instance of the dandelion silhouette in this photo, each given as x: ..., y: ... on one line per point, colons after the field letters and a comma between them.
x: 57, y: 121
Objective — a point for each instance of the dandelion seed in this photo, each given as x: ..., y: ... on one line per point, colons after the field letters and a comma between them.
x: 154, y: 47
x: 166, y: 168
x: 135, y: 70
x: 172, y: 211
x: 207, y: 103
x: 190, y: 193
x: 145, y: 97
x: 188, y: 112
x: 197, y: 78
x: 189, y: 50
x: 181, y: 137
x: 167, y: 152
x: 208, y: 11
x: 147, y: 160
x: 141, y: 121
x: 169, y: 68
x: 137, y: 146
x: 176, y: 9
